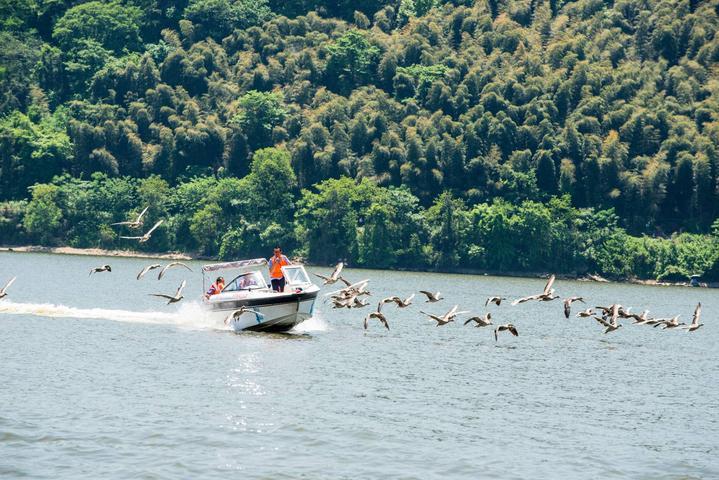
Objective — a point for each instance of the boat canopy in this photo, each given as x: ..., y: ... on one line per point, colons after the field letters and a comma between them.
x: 213, y: 267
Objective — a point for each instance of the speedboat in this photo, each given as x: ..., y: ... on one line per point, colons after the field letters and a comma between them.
x: 248, y: 302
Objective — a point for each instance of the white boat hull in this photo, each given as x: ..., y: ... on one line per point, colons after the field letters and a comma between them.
x: 274, y: 313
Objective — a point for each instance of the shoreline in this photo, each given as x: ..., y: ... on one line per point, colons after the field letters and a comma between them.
x: 100, y: 252
x: 97, y: 252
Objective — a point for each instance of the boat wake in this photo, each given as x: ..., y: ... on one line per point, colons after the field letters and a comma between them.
x: 189, y: 315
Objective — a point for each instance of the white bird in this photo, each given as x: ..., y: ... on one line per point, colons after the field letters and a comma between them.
x: 3, y: 292
x: 507, y: 327
x: 147, y: 269
x: 446, y: 318
x: 104, y: 268
x: 169, y: 266
x: 172, y: 298
x: 689, y: 328
x: 334, y: 276
x: 146, y: 236
x: 586, y: 313
x: 432, y: 297
x: 668, y: 322
x: 484, y: 321
x: 134, y: 223
x: 546, y: 296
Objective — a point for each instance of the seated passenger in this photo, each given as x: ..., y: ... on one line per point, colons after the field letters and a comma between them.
x: 248, y: 281
x: 216, y: 287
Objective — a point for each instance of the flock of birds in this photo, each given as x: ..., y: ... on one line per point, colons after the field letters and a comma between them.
x: 107, y: 268
x: 136, y: 223
x: 353, y: 295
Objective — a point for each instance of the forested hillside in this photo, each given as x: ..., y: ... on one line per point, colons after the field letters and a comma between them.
x: 494, y: 134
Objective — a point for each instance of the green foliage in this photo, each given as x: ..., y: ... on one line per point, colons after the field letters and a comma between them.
x: 259, y: 113
x: 43, y: 215
x: 352, y: 62
x: 112, y: 25
x: 443, y: 131
x: 218, y: 18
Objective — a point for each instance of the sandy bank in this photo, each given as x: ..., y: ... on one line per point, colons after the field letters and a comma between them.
x: 99, y: 252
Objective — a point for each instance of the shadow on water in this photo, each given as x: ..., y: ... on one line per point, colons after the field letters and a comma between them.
x: 293, y: 336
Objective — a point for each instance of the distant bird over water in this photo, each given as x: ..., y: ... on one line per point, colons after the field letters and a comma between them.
x: 484, y: 321
x: 169, y: 266
x: 495, y: 300
x: 431, y: 297
x: 137, y: 223
x: 669, y: 322
x: 104, y: 268
x: 144, y: 238
x: 695, y: 325
x: 3, y: 292
x: 612, y: 324
x: 568, y: 304
x: 446, y: 318
x: 507, y: 327
x: 546, y: 296
x: 147, y: 269
x: 334, y: 276
x: 378, y: 315
x: 172, y: 298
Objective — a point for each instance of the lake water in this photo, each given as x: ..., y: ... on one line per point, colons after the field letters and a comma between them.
x: 100, y: 380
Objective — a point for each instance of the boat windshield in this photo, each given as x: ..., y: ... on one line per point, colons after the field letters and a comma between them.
x: 246, y: 281
x: 295, y: 275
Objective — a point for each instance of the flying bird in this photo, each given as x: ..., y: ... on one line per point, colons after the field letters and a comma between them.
x: 668, y: 322
x: 172, y: 298
x: 640, y: 319
x: 446, y: 318
x: 334, y: 277
x: 403, y: 303
x: 568, y: 304
x: 508, y: 327
x: 398, y: 301
x: 169, y: 266
x: 546, y: 296
x: 134, y: 223
x: 612, y: 324
x: 147, y: 269
x: 235, y: 316
x: 432, y: 297
x: 3, y: 292
x: 104, y: 268
x: 484, y: 321
x: 495, y: 300
x: 144, y: 238
x: 378, y: 315
x: 689, y: 328
x: 586, y: 313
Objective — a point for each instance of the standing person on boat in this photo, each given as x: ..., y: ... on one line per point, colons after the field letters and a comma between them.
x: 276, y: 263
x: 216, y: 287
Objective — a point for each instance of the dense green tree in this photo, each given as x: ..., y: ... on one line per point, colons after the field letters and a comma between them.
x: 112, y: 25
x: 352, y: 62
x: 42, y: 215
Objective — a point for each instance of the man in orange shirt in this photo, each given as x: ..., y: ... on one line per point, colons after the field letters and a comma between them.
x: 276, y: 263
